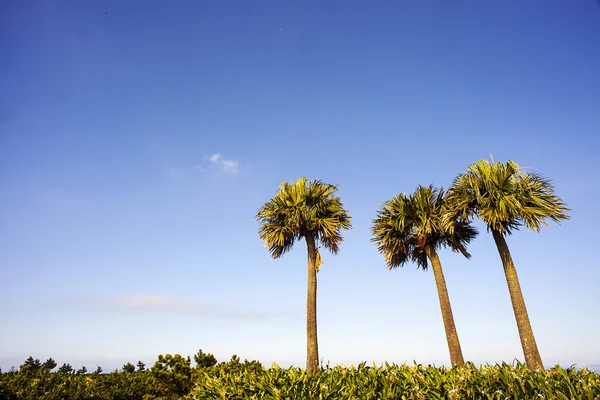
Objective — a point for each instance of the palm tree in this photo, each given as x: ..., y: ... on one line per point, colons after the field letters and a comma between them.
x: 410, y: 228
x: 506, y: 197
x: 310, y: 210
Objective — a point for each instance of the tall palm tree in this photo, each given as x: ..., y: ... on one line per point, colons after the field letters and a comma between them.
x: 410, y: 228
x: 505, y: 197
x: 307, y: 210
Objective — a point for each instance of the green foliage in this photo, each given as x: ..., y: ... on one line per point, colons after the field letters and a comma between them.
x: 204, y: 360
x: 407, y: 224
x: 30, y: 366
x: 82, y: 370
x: 129, y: 368
x: 300, y: 209
x: 504, y: 197
x: 141, y: 366
x: 172, y: 378
x: 172, y: 374
x: 49, y: 364
x: 235, y: 366
x: 66, y: 369
x: 401, y: 382
x: 169, y: 379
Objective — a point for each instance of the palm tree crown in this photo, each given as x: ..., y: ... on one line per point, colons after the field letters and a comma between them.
x: 407, y: 224
x: 299, y: 209
x: 504, y: 197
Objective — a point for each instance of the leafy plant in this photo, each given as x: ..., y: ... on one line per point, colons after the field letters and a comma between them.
x: 234, y: 379
x: 402, y: 382
x: 204, y: 360
x: 172, y: 374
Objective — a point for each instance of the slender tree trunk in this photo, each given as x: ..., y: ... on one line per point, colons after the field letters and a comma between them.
x: 312, y: 346
x: 530, y: 350
x: 456, y: 357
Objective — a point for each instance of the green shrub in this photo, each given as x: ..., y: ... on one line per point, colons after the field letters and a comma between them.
x: 172, y: 377
x: 400, y: 382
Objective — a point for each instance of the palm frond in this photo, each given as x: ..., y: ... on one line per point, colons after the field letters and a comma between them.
x: 302, y: 208
x: 504, y: 197
x: 407, y: 224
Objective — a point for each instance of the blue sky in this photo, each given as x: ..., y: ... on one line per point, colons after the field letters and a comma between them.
x: 138, y: 139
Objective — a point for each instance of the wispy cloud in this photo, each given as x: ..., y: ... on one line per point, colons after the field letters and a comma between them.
x: 223, y: 164
x: 149, y: 301
x: 215, y: 164
x: 156, y: 303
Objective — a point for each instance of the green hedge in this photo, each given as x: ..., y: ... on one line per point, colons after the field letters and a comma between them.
x: 400, y: 382
x: 173, y: 377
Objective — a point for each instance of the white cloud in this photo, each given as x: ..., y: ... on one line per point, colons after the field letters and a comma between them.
x: 215, y: 164
x: 150, y: 301
x: 147, y: 302
x: 217, y: 160
x: 215, y: 157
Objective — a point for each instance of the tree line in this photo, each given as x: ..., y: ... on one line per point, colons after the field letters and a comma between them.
x: 171, y: 377
x: 413, y: 227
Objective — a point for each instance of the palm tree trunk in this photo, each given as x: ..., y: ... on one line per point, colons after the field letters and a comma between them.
x: 456, y: 357
x: 530, y: 350
x: 312, y: 346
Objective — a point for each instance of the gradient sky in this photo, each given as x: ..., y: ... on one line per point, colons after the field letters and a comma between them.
x: 139, y: 138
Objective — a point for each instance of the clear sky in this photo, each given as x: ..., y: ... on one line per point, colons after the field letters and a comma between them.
x: 139, y: 138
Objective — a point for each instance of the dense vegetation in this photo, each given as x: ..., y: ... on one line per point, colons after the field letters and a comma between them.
x: 402, y: 382
x: 173, y: 377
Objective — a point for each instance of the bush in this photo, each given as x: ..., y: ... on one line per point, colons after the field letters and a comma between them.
x: 401, y: 382
x: 172, y: 377
x: 204, y: 360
